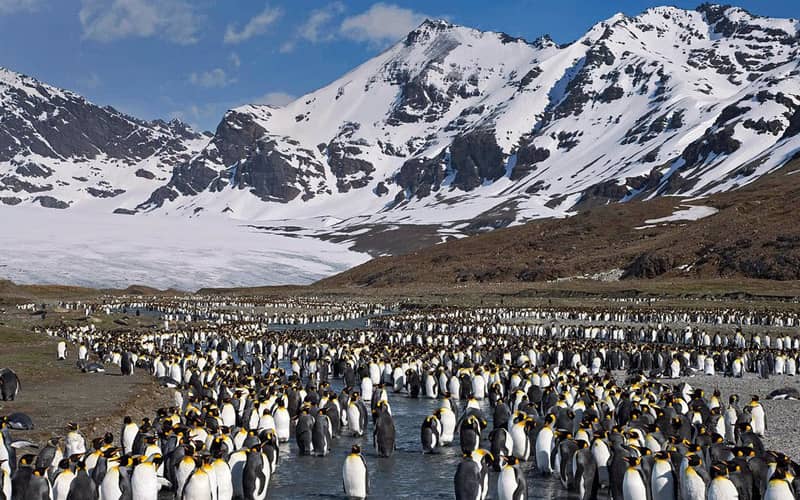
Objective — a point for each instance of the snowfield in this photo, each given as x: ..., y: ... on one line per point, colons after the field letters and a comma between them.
x: 73, y: 247
x: 691, y: 212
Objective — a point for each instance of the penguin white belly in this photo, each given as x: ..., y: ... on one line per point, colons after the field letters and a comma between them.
x: 544, y: 447
x: 354, y: 477
x: 506, y: 483
x: 632, y: 486
x: 144, y: 482
x: 448, y: 419
x: 354, y: 419
x: 109, y: 488
x: 198, y: 487
x: 721, y: 488
x: 662, y: 481
x: 693, y: 487
x: 366, y: 389
x: 61, y: 485
x: 521, y: 443
x: 282, y: 424
x: 778, y: 489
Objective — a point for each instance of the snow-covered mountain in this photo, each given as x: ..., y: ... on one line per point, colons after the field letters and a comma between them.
x: 452, y: 124
x: 58, y: 150
x: 449, y: 132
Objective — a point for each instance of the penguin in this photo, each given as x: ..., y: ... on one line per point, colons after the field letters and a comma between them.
x: 470, y: 434
x: 304, y: 431
x: 429, y: 434
x: 321, y: 433
x: 63, y: 481
x: 282, y: 422
x: 383, y: 436
x: 355, y: 476
x: 61, y: 351
x: 447, y: 417
x: 82, y: 486
x: 116, y: 484
x: 126, y: 365
x: 9, y: 384
x: 721, y: 487
x: 758, y: 420
x: 20, y: 422
x: 585, y: 472
x: 37, y: 487
x: 779, y: 487
x: 468, y: 480
x: 128, y: 435
x: 544, y: 446
x: 511, y: 483
x: 662, y: 478
x: 634, y: 486
x: 74, y: 443
x: 144, y: 480
x: 199, y: 486
x: 255, y: 482
x: 694, y: 479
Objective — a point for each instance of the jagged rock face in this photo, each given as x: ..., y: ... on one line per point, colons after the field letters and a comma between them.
x: 668, y: 102
x: 52, y: 140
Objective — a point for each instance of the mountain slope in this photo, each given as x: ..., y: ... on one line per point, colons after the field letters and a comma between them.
x: 59, y: 150
x: 473, y: 130
x: 748, y: 233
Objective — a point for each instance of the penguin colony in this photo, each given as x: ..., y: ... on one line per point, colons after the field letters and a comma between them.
x: 588, y: 404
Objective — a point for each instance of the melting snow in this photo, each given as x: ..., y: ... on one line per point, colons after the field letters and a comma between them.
x: 689, y: 212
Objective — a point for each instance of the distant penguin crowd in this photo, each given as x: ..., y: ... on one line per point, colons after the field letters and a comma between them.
x: 587, y: 398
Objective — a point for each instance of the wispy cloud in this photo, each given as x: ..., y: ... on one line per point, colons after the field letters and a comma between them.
x: 254, y: 27
x: 317, y: 27
x: 215, y: 78
x: 275, y: 99
x: 12, y: 6
x: 108, y: 20
x: 236, y: 62
x: 380, y: 23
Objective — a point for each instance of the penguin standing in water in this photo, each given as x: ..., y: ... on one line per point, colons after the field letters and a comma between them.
x: 429, y: 434
x: 355, y: 476
x: 383, y: 437
x: 511, y: 483
x: 469, y: 480
x: 304, y: 432
x: 321, y: 433
x: 584, y: 472
x: 254, y: 481
x: 356, y: 415
x: 470, y: 434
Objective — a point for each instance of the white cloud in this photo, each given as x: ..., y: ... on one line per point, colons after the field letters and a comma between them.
x: 381, y: 23
x: 287, y: 47
x: 317, y: 28
x: 215, y: 78
x: 254, y: 27
x: 11, y: 6
x: 275, y: 99
x: 235, y: 60
x: 107, y: 20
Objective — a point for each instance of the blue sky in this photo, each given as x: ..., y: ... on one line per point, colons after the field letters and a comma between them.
x: 193, y: 59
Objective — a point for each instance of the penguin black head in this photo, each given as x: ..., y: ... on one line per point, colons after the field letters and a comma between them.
x: 355, y: 450
x: 719, y: 470
x: 633, y: 461
x: 694, y: 460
